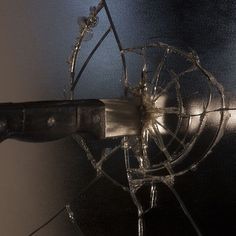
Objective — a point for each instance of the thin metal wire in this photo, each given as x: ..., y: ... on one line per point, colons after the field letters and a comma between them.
x: 89, y: 58
x: 119, y: 46
x: 64, y: 207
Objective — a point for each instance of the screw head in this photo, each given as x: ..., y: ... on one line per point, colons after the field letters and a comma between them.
x: 51, y: 121
x: 3, y: 125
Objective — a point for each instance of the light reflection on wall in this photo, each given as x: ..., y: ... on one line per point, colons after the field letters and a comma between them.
x: 160, y: 103
x: 231, y: 125
x: 194, y: 121
x: 212, y: 117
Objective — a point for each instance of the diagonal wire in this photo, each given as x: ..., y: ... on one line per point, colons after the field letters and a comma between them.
x: 89, y: 58
x: 184, y: 208
x: 118, y: 44
x: 64, y: 207
x: 171, y: 133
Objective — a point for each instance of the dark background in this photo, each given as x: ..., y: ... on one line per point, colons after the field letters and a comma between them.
x: 37, y: 179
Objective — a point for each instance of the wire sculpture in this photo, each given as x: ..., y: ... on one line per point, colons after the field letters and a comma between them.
x: 171, y: 130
